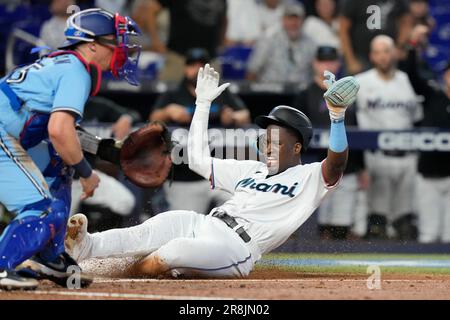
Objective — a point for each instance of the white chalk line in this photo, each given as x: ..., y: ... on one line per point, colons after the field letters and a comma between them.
x: 116, y: 295
x: 102, y: 280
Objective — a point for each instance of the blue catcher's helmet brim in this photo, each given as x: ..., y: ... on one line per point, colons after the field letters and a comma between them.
x: 85, y: 25
x: 68, y: 43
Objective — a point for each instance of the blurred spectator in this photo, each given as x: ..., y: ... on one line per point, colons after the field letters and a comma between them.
x: 423, y: 24
x: 193, y: 23
x: 270, y: 13
x: 121, y: 6
x: 309, y: 6
x: 99, y: 109
x: 419, y: 42
x: 113, y: 200
x: 420, y: 12
x: 337, y: 212
x: 139, y: 12
x: 324, y: 27
x: 284, y: 54
x: 52, y: 31
x: 386, y: 101
x: 357, y: 28
x: 85, y: 4
x: 188, y: 190
x: 178, y: 107
x: 243, y: 22
x: 434, y: 170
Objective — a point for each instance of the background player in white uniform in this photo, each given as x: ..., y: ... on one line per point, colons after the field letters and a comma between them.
x: 270, y: 201
x: 386, y: 101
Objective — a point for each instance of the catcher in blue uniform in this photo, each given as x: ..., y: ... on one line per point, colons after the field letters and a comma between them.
x: 40, y: 105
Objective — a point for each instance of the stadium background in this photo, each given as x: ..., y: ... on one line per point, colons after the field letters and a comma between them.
x: 29, y: 16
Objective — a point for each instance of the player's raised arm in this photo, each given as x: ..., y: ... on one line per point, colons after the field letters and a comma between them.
x: 339, y: 96
x: 207, y: 90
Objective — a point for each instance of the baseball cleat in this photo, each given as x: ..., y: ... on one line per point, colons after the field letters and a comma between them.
x: 76, y: 240
x: 63, y: 271
x: 11, y: 280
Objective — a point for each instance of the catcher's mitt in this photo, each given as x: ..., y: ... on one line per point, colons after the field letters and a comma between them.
x: 145, y: 155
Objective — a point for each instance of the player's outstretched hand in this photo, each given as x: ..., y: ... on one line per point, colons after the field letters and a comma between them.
x: 340, y: 94
x: 89, y: 185
x: 208, y: 85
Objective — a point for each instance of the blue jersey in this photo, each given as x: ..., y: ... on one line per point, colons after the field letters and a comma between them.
x: 50, y: 84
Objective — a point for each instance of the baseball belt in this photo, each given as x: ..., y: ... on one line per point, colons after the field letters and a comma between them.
x: 395, y: 153
x: 232, y: 223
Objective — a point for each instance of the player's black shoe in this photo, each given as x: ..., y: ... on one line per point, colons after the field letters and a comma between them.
x: 11, y: 280
x: 376, y: 227
x: 406, y: 228
x: 63, y: 271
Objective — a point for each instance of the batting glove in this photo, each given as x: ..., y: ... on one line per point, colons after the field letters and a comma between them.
x: 207, y: 88
x: 339, y: 95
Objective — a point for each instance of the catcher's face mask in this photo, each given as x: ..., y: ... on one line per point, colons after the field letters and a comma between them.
x: 126, y: 54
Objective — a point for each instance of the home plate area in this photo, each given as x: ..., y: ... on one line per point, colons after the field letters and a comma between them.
x: 276, y: 277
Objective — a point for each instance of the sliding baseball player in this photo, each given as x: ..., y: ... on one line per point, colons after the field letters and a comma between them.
x: 269, y: 200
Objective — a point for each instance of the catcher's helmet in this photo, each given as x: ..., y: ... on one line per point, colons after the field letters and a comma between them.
x: 289, y: 117
x: 91, y: 24
x: 85, y: 25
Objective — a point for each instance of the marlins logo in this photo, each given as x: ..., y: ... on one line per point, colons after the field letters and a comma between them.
x: 265, y: 187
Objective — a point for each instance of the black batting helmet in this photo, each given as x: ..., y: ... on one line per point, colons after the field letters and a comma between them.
x: 289, y: 117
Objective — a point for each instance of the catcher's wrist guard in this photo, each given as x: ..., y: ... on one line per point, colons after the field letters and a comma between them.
x: 83, y: 168
x: 105, y: 149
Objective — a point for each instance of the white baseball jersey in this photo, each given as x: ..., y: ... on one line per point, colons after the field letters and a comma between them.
x: 269, y: 208
x: 184, y: 242
x: 386, y: 104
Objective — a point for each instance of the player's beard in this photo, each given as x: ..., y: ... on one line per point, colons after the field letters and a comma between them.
x: 387, y: 69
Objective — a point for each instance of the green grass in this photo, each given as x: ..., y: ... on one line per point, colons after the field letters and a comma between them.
x: 354, y: 256
x: 357, y: 270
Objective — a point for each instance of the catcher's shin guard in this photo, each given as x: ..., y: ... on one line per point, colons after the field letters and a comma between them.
x: 31, y: 232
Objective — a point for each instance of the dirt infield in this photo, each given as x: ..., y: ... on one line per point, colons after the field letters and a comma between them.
x: 262, y: 284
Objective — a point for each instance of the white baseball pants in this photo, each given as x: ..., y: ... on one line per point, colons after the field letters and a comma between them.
x: 434, y: 209
x: 186, y: 242
x: 392, y: 187
x: 338, y: 208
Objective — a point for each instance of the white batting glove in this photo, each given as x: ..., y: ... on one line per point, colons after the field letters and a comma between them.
x: 340, y: 94
x: 207, y: 88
